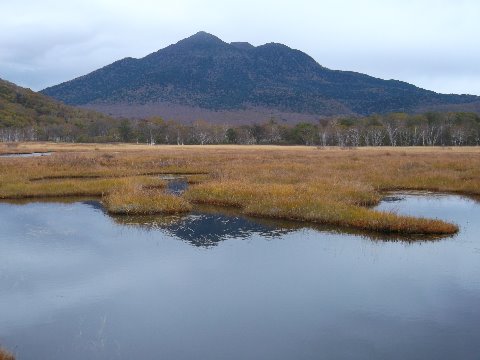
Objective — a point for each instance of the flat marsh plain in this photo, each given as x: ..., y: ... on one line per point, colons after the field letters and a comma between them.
x: 330, y: 186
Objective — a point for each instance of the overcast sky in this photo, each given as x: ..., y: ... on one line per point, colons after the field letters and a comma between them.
x: 434, y: 44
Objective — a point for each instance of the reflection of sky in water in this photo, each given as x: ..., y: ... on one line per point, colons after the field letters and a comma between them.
x: 26, y: 155
x: 77, y: 284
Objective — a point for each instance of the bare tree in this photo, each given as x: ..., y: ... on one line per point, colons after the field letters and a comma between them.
x: 431, y: 134
x: 325, y: 129
x: 458, y: 136
x: 353, y: 136
x: 376, y: 135
x: 392, y: 132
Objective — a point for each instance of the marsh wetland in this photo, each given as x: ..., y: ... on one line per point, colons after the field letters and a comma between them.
x: 231, y: 266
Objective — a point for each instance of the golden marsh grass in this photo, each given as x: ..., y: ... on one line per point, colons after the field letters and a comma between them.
x: 328, y: 186
x: 135, y: 199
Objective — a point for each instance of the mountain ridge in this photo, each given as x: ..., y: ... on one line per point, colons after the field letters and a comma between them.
x: 202, y: 71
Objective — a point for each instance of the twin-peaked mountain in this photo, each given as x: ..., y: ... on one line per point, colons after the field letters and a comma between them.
x: 203, y: 73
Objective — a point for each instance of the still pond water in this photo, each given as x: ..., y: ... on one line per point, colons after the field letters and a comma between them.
x: 78, y: 284
x: 25, y: 155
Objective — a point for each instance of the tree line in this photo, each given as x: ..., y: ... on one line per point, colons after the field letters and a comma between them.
x: 397, y: 129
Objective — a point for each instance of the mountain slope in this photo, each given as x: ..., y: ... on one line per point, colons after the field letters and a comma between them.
x: 203, y: 72
x: 20, y: 108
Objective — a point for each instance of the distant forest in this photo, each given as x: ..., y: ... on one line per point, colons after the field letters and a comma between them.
x: 397, y: 129
x: 29, y: 116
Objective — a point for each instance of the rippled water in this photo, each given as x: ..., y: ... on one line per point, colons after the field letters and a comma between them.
x: 78, y: 284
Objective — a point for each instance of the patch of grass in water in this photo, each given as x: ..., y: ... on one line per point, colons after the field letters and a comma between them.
x: 346, y: 206
x: 134, y: 199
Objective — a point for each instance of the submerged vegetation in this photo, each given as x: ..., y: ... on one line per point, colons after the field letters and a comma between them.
x: 326, y: 186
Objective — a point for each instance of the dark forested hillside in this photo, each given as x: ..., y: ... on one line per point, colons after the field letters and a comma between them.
x: 27, y: 115
x: 204, y: 72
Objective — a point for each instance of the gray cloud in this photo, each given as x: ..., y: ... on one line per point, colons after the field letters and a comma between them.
x: 432, y: 44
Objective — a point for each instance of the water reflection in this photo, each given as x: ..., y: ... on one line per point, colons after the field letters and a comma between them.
x: 176, y: 185
x: 77, y: 284
x: 25, y: 155
x: 207, y: 227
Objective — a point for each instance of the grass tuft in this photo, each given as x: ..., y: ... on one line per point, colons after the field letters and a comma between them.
x: 134, y: 199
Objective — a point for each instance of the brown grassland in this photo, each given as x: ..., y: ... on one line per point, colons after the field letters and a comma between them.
x: 5, y: 355
x: 327, y: 186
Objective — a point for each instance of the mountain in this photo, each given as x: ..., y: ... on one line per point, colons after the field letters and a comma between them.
x: 207, y: 77
x: 21, y: 108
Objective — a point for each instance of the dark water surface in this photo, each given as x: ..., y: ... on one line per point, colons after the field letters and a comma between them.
x: 176, y: 186
x: 25, y: 155
x: 78, y: 284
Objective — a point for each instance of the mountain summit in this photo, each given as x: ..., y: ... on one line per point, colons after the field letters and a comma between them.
x: 203, y: 72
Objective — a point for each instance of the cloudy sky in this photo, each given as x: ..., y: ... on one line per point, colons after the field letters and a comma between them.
x: 434, y: 44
